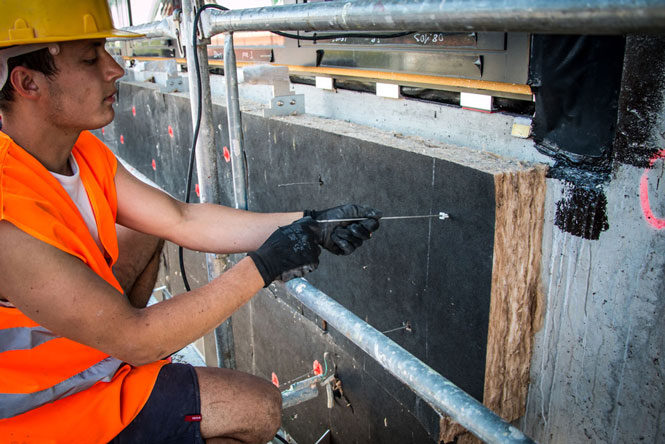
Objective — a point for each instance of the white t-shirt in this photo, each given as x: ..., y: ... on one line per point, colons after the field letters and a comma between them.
x: 74, y: 187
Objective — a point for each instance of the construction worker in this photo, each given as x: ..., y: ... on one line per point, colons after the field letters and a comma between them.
x: 81, y: 357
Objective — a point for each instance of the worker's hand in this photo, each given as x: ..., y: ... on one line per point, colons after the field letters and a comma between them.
x: 345, y: 237
x: 291, y: 251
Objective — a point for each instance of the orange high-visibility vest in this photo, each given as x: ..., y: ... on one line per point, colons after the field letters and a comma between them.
x: 53, y: 389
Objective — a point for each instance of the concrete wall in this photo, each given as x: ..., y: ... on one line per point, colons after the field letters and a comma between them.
x: 598, y: 369
x: 597, y: 372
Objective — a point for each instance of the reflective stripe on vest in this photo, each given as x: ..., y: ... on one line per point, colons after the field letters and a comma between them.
x: 27, y: 338
x: 12, y: 404
x: 24, y: 338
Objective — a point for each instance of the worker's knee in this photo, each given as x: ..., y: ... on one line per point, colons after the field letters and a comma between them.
x: 268, y: 413
x: 238, y: 405
x: 273, y: 412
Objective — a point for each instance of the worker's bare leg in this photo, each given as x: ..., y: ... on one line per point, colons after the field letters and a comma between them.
x: 237, y: 407
x: 138, y: 264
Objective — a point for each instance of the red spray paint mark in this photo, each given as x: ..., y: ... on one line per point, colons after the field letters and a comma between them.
x: 227, y: 154
x: 198, y: 190
x: 154, y: 165
x: 193, y: 418
x: 657, y: 223
x: 316, y: 366
x: 134, y: 111
x: 122, y: 139
x: 170, y: 131
x: 275, y: 381
x: 103, y: 132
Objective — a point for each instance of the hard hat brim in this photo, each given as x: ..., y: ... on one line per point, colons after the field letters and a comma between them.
x: 107, y: 34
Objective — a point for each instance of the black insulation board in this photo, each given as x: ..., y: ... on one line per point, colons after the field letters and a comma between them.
x: 434, y: 274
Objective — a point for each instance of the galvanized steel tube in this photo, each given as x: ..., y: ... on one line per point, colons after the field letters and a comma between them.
x: 206, y: 160
x: 236, y: 140
x: 534, y: 16
x: 433, y: 388
x: 291, y: 398
x: 162, y: 28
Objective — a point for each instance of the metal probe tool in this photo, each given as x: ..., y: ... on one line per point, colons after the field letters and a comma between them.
x: 441, y: 216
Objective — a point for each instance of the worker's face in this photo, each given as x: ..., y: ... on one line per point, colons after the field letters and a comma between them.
x: 81, y: 95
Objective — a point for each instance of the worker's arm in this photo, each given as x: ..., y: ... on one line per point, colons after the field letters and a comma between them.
x: 62, y: 294
x: 200, y: 227
x: 219, y: 229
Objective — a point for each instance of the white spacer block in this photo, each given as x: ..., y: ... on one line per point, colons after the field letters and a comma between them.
x: 476, y: 101
x: 388, y: 90
x: 325, y: 83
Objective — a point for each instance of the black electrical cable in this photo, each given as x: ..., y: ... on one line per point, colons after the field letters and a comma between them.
x: 197, y: 127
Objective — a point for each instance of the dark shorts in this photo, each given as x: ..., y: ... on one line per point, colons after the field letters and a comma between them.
x: 169, y: 415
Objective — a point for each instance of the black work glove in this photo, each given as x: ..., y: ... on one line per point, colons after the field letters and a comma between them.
x: 344, y: 237
x: 291, y: 251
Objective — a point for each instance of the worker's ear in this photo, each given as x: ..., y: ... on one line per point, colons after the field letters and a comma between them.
x: 26, y: 82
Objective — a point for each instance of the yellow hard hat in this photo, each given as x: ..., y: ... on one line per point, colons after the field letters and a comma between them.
x: 26, y: 22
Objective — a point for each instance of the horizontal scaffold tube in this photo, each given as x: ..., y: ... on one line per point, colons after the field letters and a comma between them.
x: 433, y: 388
x: 165, y: 28
x: 534, y: 16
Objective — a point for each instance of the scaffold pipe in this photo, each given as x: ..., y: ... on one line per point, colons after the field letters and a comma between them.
x: 534, y: 16
x: 439, y: 392
x: 160, y: 29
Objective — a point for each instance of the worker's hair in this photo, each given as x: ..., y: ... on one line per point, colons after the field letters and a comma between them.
x: 41, y: 61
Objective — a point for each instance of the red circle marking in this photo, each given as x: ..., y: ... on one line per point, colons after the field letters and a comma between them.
x: 316, y: 367
x: 170, y: 131
x: 657, y: 223
x: 227, y: 154
x: 198, y: 190
x: 154, y: 165
x: 103, y: 132
x: 134, y: 111
x: 122, y: 139
x: 275, y: 381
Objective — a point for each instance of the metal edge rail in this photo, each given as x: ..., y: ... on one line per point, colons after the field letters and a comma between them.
x: 497, y: 89
x: 534, y: 16
x: 433, y: 388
